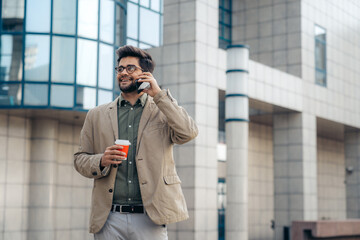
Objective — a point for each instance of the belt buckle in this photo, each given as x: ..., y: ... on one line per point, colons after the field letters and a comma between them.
x: 120, y: 206
x: 114, y: 208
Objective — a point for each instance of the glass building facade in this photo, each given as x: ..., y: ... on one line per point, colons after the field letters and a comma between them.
x: 61, y: 53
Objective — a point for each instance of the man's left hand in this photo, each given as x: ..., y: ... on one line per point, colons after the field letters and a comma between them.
x: 154, y: 86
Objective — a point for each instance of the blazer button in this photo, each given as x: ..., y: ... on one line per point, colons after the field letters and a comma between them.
x: 94, y: 173
x: 110, y: 190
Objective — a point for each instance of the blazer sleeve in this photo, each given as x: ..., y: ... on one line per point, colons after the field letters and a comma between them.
x: 86, y: 162
x: 182, y: 127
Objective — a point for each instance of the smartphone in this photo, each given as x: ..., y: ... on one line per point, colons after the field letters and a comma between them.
x: 141, y: 85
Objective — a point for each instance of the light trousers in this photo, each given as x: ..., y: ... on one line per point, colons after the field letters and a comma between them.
x: 131, y: 226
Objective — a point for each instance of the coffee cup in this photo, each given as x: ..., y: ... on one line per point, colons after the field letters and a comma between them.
x: 125, y: 144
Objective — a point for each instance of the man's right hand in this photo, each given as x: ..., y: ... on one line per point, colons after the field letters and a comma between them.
x: 112, y: 155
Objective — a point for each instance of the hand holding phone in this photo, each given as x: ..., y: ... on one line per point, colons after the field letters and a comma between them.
x: 141, y: 85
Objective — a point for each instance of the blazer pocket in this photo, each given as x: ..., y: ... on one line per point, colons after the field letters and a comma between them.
x: 171, y: 179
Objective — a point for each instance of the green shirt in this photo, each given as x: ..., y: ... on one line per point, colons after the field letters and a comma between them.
x: 127, y: 188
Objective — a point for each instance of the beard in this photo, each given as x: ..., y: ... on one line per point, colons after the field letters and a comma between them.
x: 130, y: 88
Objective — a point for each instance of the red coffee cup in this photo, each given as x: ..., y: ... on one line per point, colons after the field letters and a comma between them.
x: 125, y: 144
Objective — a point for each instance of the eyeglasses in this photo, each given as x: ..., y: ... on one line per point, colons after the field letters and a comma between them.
x: 129, y: 68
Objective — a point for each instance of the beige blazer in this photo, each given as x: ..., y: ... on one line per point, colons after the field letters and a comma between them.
x: 162, y: 124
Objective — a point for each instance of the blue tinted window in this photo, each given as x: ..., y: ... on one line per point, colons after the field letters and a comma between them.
x: 11, y: 58
x: 12, y: 13
x: 155, y: 5
x: 63, y: 59
x: 320, y: 55
x: 149, y: 27
x: 120, y: 25
x: 104, y: 97
x: 62, y: 96
x: 86, y: 62
x: 88, y: 18
x: 106, y: 66
x: 64, y: 16
x: 224, y: 23
x: 36, y: 94
x: 132, y: 20
x: 38, y: 15
x: 10, y: 94
x: 37, y: 57
x: 144, y: 23
x: 85, y: 97
x: 107, y: 21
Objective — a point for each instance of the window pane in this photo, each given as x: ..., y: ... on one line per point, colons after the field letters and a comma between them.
x: 62, y: 96
x: 131, y: 42
x: 37, y: 58
x: 104, y: 97
x: 36, y: 94
x: 132, y: 21
x: 86, y: 62
x: 227, y: 17
x: 145, y: 3
x: 88, y: 18
x: 64, y: 16
x: 320, y: 78
x: 11, y: 58
x: 227, y: 33
x: 155, y: 5
x: 38, y: 15
x: 12, y: 13
x: 320, y: 56
x: 227, y: 4
x: 107, y: 21
x: 85, y: 97
x: 120, y: 25
x: 63, y: 59
x: 320, y: 33
x: 106, y: 66
x: 149, y: 27
x: 10, y: 94
x: 144, y: 46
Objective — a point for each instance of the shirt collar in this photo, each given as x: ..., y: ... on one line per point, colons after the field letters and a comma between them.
x: 142, y: 99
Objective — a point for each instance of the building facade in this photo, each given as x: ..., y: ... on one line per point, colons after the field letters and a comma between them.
x: 297, y: 156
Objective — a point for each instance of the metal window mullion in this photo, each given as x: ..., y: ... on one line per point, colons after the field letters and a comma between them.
x: 50, y: 51
x: 23, y: 57
x: 230, y: 20
x: 76, y: 43
x: 98, y: 55
x: 161, y: 25
x: 138, y: 26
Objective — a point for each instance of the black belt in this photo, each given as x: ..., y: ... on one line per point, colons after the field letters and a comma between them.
x: 127, y: 209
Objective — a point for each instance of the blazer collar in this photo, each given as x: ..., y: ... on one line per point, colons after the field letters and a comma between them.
x: 146, y: 114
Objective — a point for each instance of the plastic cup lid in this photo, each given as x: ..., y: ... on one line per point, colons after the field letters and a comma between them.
x: 122, y: 142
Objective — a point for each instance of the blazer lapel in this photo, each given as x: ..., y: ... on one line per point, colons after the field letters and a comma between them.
x: 146, y: 114
x: 112, y: 114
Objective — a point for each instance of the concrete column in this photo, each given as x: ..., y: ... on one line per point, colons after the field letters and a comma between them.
x: 42, y: 179
x: 237, y: 128
x: 191, y: 64
x: 295, y: 169
x: 352, y: 164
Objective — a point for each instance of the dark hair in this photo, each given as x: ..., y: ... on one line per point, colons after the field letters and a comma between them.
x: 145, y: 60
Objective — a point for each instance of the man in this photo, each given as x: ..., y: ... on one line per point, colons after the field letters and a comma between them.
x: 137, y: 197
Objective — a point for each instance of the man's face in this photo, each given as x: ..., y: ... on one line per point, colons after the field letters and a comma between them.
x: 127, y: 80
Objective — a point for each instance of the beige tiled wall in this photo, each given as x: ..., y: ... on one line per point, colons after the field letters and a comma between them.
x: 261, y: 182
x: 331, y: 179
x: 41, y: 194
x: 14, y: 176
